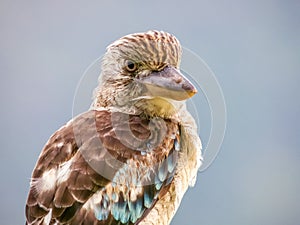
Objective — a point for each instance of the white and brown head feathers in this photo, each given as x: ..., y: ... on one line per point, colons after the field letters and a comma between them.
x: 154, y: 49
x: 142, y: 69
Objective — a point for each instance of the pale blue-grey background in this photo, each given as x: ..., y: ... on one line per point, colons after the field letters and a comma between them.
x: 252, y: 46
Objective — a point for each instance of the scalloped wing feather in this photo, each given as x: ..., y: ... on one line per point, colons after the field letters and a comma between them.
x: 103, y: 168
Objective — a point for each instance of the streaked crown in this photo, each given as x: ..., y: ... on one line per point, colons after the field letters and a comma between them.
x: 154, y: 48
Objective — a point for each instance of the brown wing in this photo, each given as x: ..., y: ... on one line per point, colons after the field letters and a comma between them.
x: 102, y: 168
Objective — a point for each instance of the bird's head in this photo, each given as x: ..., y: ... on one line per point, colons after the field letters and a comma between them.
x: 140, y: 72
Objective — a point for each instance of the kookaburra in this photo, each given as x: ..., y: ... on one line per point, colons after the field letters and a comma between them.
x: 131, y: 157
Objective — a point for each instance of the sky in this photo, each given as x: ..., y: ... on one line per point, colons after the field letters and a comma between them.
x: 252, y: 47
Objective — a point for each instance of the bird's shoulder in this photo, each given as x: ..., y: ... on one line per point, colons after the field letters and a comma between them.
x: 98, y: 164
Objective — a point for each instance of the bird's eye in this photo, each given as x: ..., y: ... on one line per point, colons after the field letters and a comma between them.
x: 130, y: 66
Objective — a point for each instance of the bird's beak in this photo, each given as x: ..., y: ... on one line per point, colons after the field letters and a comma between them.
x: 168, y: 83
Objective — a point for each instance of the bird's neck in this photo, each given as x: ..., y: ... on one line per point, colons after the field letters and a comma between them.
x: 146, y: 106
x: 129, y: 100
x: 158, y: 107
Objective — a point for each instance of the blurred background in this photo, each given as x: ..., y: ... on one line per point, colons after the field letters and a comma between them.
x: 253, y: 47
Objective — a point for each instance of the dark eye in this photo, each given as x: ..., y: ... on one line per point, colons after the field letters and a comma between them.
x: 130, y: 66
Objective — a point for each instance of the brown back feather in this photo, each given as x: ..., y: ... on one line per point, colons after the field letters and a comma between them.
x: 87, y: 152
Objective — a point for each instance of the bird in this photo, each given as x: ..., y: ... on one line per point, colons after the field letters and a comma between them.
x: 129, y: 159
